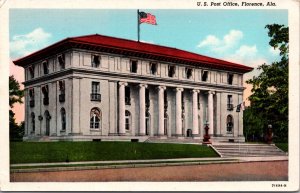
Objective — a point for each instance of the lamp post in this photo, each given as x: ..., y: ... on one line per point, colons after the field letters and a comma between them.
x: 206, y: 137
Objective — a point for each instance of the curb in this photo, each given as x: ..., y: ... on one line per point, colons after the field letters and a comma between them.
x: 78, y: 168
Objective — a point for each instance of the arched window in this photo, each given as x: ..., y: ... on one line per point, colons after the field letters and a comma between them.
x: 147, y: 123
x: 127, y: 120
x: 95, y: 118
x: 63, y: 119
x: 33, y: 122
x: 229, y: 123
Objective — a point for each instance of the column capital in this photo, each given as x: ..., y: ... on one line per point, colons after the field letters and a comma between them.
x: 179, y: 89
x: 143, y: 85
x: 211, y: 92
x: 195, y: 90
x: 161, y: 87
x: 123, y: 83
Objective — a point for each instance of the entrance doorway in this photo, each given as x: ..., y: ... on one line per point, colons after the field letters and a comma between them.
x: 189, y: 133
x: 48, y: 117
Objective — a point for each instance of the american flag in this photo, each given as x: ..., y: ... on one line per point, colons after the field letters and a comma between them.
x: 147, y: 18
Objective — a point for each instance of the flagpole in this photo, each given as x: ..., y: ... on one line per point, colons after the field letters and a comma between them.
x: 138, y: 23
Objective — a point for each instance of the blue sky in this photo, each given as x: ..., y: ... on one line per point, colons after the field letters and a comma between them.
x: 234, y: 35
x: 226, y: 34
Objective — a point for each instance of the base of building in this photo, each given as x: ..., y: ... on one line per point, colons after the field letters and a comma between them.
x: 145, y: 138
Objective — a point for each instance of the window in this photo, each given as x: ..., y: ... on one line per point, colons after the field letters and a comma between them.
x: 31, y: 96
x: 46, y: 67
x: 31, y: 71
x: 63, y: 119
x: 127, y: 120
x: 127, y: 96
x: 204, y: 75
x: 32, y: 122
x: 171, y: 71
x: 198, y: 100
x: 229, y: 124
x: 153, y: 68
x: 45, y: 92
x: 165, y: 99
x: 95, y: 95
x: 188, y: 73
x: 182, y: 102
x: 229, y: 103
x: 133, y: 66
x: 95, y: 61
x: 229, y: 78
x: 61, y: 61
x: 95, y: 118
x: 147, y: 98
x: 166, y: 118
x: 147, y: 121
x: 61, y: 85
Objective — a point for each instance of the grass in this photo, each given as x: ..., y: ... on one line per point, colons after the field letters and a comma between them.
x: 283, y: 146
x: 43, y: 152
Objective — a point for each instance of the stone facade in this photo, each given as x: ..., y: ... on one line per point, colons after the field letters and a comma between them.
x: 80, y: 93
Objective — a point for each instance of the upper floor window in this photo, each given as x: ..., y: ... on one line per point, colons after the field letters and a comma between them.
x: 45, y: 67
x: 95, y: 61
x: 133, y: 66
x: 127, y: 96
x: 188, y: 73
x: 198, y: 100
x: 61, y: 85
x: 204, y: 75
x: 171, y: 71
x: 95, y: 95
x: 229, y: 103
x: 165, y: 99
x: 229, y: 78
x: 153, y: 68
x: 45, y: 92
x: 31, y: 96
x: 61, y: 61
x: 147, y: 98
x: 31, y: 71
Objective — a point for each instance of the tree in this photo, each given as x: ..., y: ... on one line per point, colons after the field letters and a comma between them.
x: 16, y: 131
x: 269, y: 100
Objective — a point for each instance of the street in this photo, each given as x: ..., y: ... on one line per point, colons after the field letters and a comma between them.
x: 250, y: 171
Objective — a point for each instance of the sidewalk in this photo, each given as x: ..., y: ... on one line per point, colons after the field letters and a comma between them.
x: 91, y: 165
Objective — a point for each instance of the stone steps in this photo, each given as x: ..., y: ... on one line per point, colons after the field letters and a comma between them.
x: 248, y: 150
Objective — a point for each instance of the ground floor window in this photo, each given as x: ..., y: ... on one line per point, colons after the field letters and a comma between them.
x: 127, y: 120
x: 63, y: 119
x: 95, y: 118
x: 229, y: 122
x: 147, y: 123
x: 33, y: 122
x: 166, y: 118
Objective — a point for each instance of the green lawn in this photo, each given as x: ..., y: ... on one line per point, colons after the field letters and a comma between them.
x: 283, y: 146
x: 37, y: 152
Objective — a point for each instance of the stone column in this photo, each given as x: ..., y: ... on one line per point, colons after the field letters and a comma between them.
x: 210, y: 112
x: 219, y: 114
x: 178, y: 112
x: 161, y: 90
x: 122, y: 107
x: 142, y: 109
x: 195, y: 131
